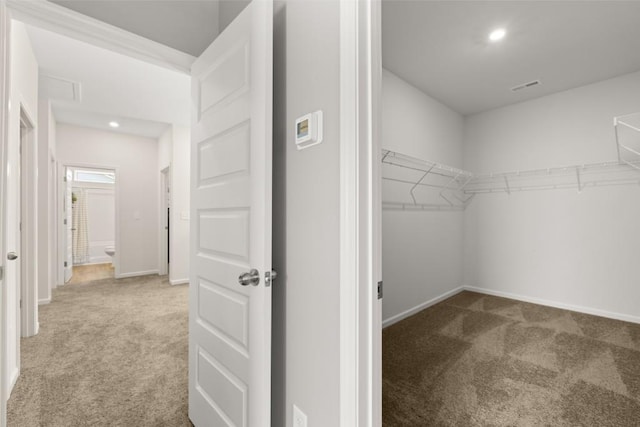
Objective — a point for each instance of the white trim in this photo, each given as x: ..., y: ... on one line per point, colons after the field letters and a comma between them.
x: 375, y: 36
x: 102, y: 259
x: 359, y: 307
x: 136, y: 274
x: 349, y: 309
x: 533, y: 300
x: 179, y: 282
x: 164, y: 237
x: 555, y: 304
x: 410, y: 312
x: 28, y: 282
x: 61, y: 239
x: 12, y: 382
x: 44, y: 301
x: 96, y: 263
x: 62, y: 20
x: 5, y: 80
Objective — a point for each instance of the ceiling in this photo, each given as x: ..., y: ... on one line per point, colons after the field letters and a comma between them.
x: 91, y: 86
x: 442, y: 47
x: 186, y: 25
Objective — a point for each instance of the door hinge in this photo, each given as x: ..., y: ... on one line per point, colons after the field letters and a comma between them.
x: 1, y: 272
x: 65, y: 263
x: 65, y: 221
x: 380, y: 289
x: 64, y: 179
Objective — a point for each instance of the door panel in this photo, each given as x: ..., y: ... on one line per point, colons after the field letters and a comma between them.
x: 230, y: 324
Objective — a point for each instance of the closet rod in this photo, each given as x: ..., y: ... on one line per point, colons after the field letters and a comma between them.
x: 397, y: 206
x: 558, y: 170
x: 403, y: 181
x: 423, y: 163
x: 428, y: 170
x: 605, y: 183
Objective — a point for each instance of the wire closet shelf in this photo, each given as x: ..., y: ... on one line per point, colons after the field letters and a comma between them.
x: 416, y: 184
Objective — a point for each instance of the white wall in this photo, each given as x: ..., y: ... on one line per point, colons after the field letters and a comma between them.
x: 136, y: 162
x: 557, y: 246
x: 174, y: 146
x: 164, y: 148
x: 306, y: 298
x: 421, y: 251
x: 24, y: 94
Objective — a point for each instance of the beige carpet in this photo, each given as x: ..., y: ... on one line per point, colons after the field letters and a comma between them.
x: 109, y: 353
x: 477, y: 360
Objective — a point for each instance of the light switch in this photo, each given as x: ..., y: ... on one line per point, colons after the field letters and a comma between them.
x: 299, y: 417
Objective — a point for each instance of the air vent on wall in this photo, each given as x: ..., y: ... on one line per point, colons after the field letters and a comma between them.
x: 525, y: 85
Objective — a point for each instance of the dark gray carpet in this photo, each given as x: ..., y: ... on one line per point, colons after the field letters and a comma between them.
x: 476, y: 360
x: 109, y: 353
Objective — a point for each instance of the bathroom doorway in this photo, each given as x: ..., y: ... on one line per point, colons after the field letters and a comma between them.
x: 91, y: 223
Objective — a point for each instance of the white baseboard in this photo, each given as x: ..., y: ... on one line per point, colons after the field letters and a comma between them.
x: 99, y: 260
x: 44, y: 301
x: 548, y: 303
x: 12, y: 382
x: 398, y: 317
x: 136, y: 273
x: 178, y: 281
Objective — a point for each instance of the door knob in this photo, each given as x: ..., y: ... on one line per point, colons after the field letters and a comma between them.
x: 250, y: 278
x: 12, y: 256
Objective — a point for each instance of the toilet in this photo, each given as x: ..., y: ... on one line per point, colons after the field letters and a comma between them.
x: 111, y: 251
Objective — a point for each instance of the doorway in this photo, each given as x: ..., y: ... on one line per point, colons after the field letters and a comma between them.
x: 91, y: 223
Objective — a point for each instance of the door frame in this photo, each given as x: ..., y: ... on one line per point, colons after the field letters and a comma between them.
x: 164, y: 236
x: 62, y: 232
x: 360, y: 214
x: 5, y: 80
x: 53, y: 222
x: 29, y: 218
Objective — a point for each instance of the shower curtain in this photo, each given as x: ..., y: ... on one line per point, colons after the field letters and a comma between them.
x: 80, y: 228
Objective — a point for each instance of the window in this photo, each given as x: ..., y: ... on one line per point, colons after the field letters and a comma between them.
x: 103, y: 177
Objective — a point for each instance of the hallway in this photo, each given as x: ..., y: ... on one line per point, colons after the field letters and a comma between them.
x: 109, y: 353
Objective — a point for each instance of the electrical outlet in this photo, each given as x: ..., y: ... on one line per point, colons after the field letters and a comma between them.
x: 299, y: 417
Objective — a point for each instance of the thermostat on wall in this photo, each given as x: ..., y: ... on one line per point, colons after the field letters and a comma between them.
x: 309, y: 130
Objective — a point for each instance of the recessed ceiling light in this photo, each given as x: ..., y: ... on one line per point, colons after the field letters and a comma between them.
x: 114, y: 124
x: 497, y: 34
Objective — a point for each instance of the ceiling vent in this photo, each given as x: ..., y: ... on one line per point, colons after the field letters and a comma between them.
x: 525, y: 86
x: 59, y: 89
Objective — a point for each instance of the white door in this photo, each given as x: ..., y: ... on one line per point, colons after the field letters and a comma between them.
x: 230, y: 324
x: 68, y: 221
